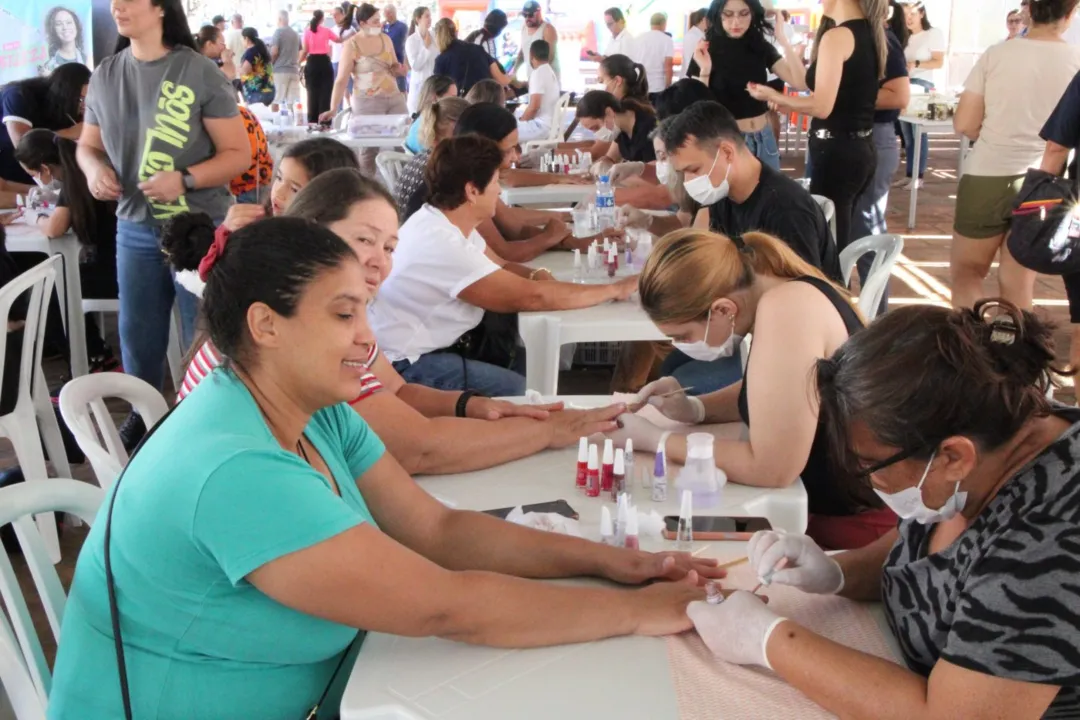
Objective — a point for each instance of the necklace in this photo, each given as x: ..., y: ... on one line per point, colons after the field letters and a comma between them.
x: 302, y: 452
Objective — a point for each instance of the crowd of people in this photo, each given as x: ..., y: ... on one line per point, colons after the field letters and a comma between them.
x: 346, y: 336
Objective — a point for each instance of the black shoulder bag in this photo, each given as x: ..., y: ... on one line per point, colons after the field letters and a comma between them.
x: 114, y: 611
x: 1045, y: 233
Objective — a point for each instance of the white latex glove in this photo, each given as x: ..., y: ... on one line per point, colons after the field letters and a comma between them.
x: 808, y: 567
x: 679, y: 407
x: 634, y: 218
x: 624, y: 170
x: 645, y: 435
x: 738, y: 629
x: 601, y: 167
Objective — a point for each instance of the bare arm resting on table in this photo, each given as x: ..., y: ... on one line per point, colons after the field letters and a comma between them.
x: 790, y: 330
x: 503, y: 291
x: 367, y: 577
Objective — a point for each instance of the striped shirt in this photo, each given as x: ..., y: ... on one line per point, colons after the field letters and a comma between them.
x: 208, y: 358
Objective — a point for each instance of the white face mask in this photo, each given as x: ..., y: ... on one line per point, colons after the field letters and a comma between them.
x: 373, y: 31
x: 663, y: 171
x: 908, y: 504
x: 703, y: 191
x: 51, y: 185
x: 702, y: 350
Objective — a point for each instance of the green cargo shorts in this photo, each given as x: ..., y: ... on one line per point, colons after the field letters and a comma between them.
x: 984, y: 205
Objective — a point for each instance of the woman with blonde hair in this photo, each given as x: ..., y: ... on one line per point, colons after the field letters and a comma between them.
x: 435, y: 123
x: 467, y: 63
x: 706, y: 292
x: 370, y: 59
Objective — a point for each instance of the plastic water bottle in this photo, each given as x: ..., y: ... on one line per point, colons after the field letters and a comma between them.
x: 700, y: 475
x: 284, y: 116
x: 605, y: 203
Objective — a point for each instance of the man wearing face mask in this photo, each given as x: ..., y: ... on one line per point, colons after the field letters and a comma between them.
x: 741, y: 193
x: 943, y: 413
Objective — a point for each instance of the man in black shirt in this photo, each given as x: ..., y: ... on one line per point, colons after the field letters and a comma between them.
x: 743, y: 195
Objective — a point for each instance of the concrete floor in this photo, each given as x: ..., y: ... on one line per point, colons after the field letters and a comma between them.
x: 922, y: 276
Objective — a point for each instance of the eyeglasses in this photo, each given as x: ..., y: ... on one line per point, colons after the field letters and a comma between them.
x: 877, y: 467
x: 730, y: 15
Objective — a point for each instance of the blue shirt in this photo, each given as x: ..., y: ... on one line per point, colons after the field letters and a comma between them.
x: 211, y: 497
x: 895, y: 67
x: 1063, y: 126
x: 398, y: 31
x: 466, y: 63
x: 412, y: 140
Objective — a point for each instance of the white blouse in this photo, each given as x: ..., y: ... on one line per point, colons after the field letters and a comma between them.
x: 421, y: 63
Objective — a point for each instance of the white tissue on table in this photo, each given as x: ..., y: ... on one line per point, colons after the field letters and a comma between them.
x: 650, y: 524
x: 533, y: 398
x: 548, y: 522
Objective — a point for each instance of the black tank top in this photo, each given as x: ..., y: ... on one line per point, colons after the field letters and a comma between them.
x: 857, y: 94
x: 828, y: 494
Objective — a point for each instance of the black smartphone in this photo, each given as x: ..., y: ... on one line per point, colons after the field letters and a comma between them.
x: 706, y: 527
x: 560, y: 507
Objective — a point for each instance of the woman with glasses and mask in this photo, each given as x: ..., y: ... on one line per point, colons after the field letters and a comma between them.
x: 943, y: 413
x: 707, y: 292
x: 736, y: 52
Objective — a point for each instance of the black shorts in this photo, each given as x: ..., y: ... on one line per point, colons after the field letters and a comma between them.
x: 776, y: 84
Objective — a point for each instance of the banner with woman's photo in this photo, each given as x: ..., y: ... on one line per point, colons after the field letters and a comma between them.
x: 37, y: 36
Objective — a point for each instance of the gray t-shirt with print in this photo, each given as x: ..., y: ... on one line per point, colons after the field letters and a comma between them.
x: 287, y: 43
x: 151, y: 119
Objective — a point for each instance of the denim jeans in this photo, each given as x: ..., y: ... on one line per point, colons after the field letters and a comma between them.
x: 763, y: 146
x: 907, y: 130
x: 448, y: 371
x: 147, y: 292
x: 872, y: 204
x: 703, y: 377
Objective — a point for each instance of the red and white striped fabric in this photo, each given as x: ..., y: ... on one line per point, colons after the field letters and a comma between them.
x: 208, y: 358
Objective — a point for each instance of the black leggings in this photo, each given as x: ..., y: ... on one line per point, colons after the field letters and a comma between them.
x: 319, y: 79
x: 842, y: 169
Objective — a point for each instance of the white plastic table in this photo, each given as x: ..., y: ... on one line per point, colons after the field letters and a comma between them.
x: 397, y: 678
x: 23, y: 237
x: 922, y: 125
x: 543, y: 333
x: 279, y: 139
x: 548, y: 195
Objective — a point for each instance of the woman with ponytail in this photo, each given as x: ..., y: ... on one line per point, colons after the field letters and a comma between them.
x: 436, y: 123
x: 847, y: 67
x: 318, y: 71
x: 624, y: 78
x: 706, y: 292
x: 50, y: 158
x: 256, y: 69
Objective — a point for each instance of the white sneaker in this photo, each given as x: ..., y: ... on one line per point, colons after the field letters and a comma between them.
x: 918, y: 184
x: 902, y: 183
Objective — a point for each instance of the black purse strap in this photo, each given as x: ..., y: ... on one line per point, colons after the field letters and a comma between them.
x: 114, y: 610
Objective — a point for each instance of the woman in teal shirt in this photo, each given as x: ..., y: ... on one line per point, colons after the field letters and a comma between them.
x: 262, y: 523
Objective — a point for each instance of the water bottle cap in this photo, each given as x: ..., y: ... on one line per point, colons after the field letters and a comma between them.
x: 604, y: 179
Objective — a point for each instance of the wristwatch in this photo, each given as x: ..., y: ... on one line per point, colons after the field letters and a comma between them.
x: 189, y: 180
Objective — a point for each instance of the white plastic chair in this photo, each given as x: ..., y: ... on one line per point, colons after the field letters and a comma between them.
x: 24, y: 673
x: 82, y: 404
x: 390, y: 165
x: 886, y: 249
x: 341, y: 120
x: 33, y: 421
x: 175, y: 352
x: 829, y: 208
x: 554, y: 136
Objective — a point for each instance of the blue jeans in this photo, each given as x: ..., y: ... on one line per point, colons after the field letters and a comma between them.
x: 871, y: 205
x: 147, y: 292
x: 447, y: 371
x: 703, y: 377
x: 762, y: 145
x: 908, y: 131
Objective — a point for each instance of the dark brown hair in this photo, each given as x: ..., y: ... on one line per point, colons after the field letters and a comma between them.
x: 1048, y: 12
x: 921, y: 374
x: 594, y: 103
x: 457, y: 162
x: 633, y: 74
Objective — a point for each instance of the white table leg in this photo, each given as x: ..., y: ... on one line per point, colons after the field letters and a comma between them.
x: 916, y: 159
x: 540, y: 338
x: 76, y: 326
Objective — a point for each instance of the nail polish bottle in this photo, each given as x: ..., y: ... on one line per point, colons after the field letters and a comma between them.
x: 607, y: 469
x: 622, y: 517
x: 618, y: 483
x: 659, y: 480
x: 713, y: 596
x: 607, y: 528
x: 581, y: 477
x: 684, y: 539
x: 628, y: 458
x: 592, y: 481
x: 631, y: 541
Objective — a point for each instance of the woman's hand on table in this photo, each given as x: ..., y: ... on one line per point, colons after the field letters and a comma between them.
x: 645, y: 435
x: 625, y: 287
x: 624, y: 171
x: 241, y: 215
x: 660, y: 609
x: 8, y: 218
x: 679, y: 406
x: 807, y: 566
x: 482, y: 408
x: 567, y: 426
x: 636, y: 567
x: 736, y: 630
